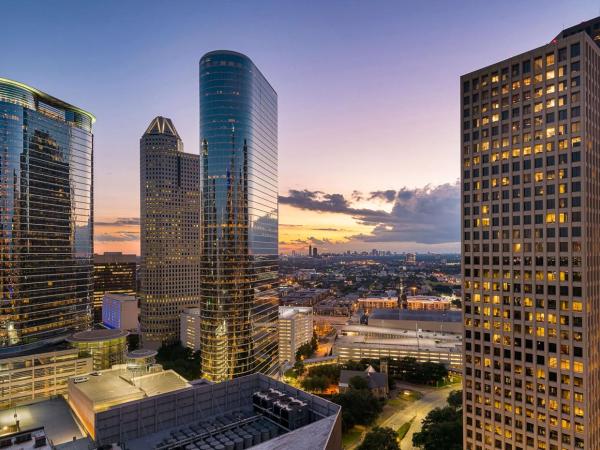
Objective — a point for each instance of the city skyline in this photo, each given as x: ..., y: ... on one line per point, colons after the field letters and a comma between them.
x: 326, y: 123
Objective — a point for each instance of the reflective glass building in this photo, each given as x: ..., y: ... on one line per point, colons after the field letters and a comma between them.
x: 239, y: 268
x: 46, y: 265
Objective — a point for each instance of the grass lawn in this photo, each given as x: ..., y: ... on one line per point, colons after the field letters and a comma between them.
x: 404, y: 428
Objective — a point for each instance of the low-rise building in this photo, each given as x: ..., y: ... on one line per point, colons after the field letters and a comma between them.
x: 190, y: 328
x: 369, y: 304
x: 295, y: 329
x: 356, y: 342
x: 157, y: 411
x: 41, y: 374
x: 106, y: 347
x: 47, y: 424
x: 448, y: 321
x: 428, y: 303
x: 120, y: 312
x: 377, y: 381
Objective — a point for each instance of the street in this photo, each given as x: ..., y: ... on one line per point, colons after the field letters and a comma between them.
x: 432, y: 398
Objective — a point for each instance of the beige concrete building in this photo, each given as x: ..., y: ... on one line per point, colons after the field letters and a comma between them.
x: 428, y: 303
x: 356, y: 342
x: 120, y: 312
x: 530, y: 232
x: 190, y: 328
x: 295, y: 329
x: 36, y: 376
x: 369, y: 304
x: 170, y: 233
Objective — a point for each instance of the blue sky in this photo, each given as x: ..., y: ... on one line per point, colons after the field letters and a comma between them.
x: 368, y: 91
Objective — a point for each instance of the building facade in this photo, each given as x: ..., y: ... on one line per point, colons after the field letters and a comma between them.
x: 33, y: 377
x: 120, y: 312
x: 114, y: 273
x: 295, y: 329
x: 170, y: 232
x: 239, y: 262
x: 191, y: 328
x: 46, y: 208
x: 530, y: 233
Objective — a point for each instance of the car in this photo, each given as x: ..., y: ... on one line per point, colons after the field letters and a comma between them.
x: 80, y: 380
x: 96, y: 374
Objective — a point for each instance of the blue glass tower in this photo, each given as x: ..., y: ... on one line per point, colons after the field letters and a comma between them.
x: 239, y: 268
x: 46, y: 246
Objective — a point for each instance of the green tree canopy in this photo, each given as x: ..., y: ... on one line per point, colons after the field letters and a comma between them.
x: 455, y: 399
x: 380, y: 438
x: 358, y: 382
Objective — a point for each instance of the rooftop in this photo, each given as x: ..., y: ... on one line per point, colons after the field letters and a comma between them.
x: 116, y: 386
x: 54, y: 415
x: 375, y: 379
x: 121, y: 298
x: 286, y: 312
x: 97, y: 335
x: 407, y: 314
x: 53, y: 101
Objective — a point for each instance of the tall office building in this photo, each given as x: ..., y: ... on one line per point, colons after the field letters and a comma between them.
x: 239, y: 262
x: 530, y: 247
x: 295, y: 329
x: 170, y: 232
x: 114, y: 273
x: 46, y: 148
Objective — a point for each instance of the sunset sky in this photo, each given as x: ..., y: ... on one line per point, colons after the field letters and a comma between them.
x: 368, y: 99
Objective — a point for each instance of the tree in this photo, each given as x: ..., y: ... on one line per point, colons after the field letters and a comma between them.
x: 358, y: 382
x: 455, y: 399
x: 442, y: 427
x: 314, y: 342
x: 180, y: 359
x: 380, y: 438
x: 358, y: 407
x: 304, y: 351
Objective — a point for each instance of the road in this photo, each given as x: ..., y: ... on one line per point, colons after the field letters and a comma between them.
x: 432, y: 398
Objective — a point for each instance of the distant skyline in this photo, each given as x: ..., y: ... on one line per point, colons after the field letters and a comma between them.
x: 368, y: 104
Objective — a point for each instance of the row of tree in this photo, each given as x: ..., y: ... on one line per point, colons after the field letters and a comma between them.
x: 181, y: 359
x: 359, y: 406
x: 441, y: 430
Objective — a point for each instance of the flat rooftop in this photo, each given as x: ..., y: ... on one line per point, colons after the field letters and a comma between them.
x: 373, y: 331
x: 417, y: 315
x: 54, y: 415
x: 115, y: 386
x: 99, y: 335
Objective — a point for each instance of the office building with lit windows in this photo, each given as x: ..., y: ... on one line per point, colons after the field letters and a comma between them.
x: 190, y: 328
x: 170, y: 232
x: 114, y: 273
x: 530, y: 234
x: 239, y: 262
x: 295, y: 329
x: 46, y: 208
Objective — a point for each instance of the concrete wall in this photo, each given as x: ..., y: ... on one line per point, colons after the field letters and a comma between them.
x: 142, y: 417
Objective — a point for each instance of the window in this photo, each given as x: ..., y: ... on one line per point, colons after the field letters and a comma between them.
x: 575, y: 50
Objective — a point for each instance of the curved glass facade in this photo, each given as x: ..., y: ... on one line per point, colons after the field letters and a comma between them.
x: 239, y: 265
x: 46, y: 245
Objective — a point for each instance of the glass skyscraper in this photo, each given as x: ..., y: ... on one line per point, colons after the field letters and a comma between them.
x: 239, y: 268
x: 46, y: 252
